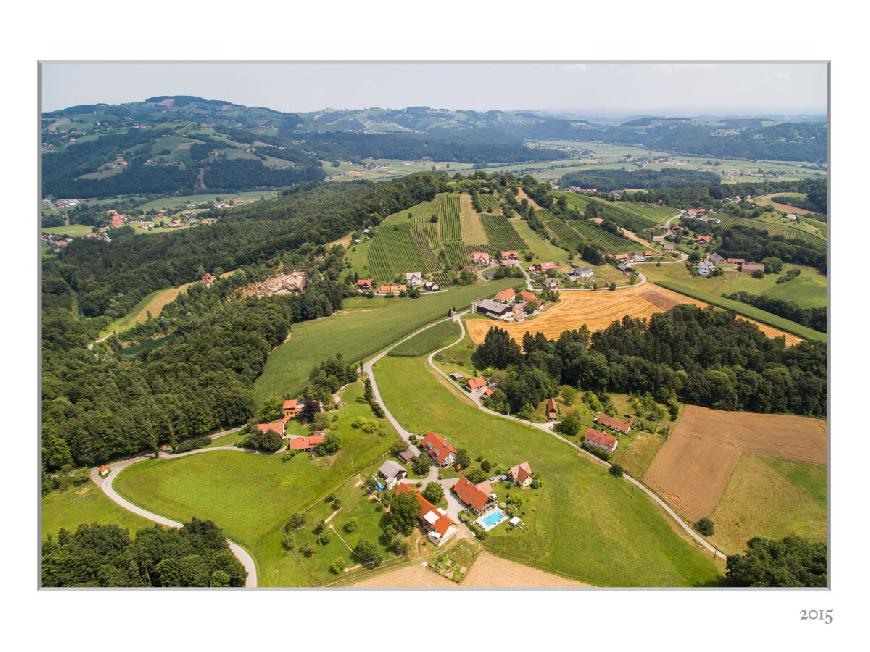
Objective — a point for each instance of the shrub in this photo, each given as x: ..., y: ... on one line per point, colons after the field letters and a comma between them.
x: 421, y: 464
x: 705, y: 526
x: 336, y: 504
x: 288, y: 540
x: 475, y: 475
x: 295, y: 521
x: 337, y: 566
x: 329, y: 498
x: 367, y: 554
x: 307, y: 549
x: 616, y: 470
x: 190, y: 444
x: 597, y: 452
x: 351, y: 525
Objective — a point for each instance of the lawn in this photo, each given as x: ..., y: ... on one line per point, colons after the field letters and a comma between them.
x: 473, y: 232
x: 357, y: 333
x: 772, y: 498
x: 429, y: 340
x: 74, y: 230
x: 543, y: 250
x: 182, y: 200
x: 252, y: 496
x: 84, y: 504
x: 153, y: 303
x: 582, y: 523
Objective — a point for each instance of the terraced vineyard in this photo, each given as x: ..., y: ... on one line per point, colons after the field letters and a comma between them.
x: 501, y: 233
x: 571, y: 233
x: 418, y: 244
x: 489, y: 203
x: 566, y: 236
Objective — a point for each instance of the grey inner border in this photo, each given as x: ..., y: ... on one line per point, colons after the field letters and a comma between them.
x: 408, y: 62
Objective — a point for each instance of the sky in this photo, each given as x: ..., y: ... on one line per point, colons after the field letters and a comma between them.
x: 675, y: 89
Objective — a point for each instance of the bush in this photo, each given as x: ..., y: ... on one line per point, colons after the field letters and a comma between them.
x: 433, y: 492
x: 421, y: 464
x: 307, y: 549
x: 288, y: 540
x: 295, y: 522
x: 569, y: 426
x: 597, y: 452
x: 475, y: 476
x: 351, y: 525
x: 337, y: 566
x: 190, y: 444
x: 705, y: 526
x: 616, y: 470
x: 336, y: 504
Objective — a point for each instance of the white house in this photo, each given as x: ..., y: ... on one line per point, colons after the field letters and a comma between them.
x: 414, y: 278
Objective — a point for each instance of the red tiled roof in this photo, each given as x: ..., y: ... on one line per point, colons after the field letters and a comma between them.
x: 600, y: 438
x: 546, y: 266
x: 289, y: 404
x: 480, y: 255
x: 520, y: 472
x: 506, y: 294
x: 304, y: 443
x: 509, y: 254
x: 433, y: 443
x: 364, y: 281
x: 475, y: 383
x: 392, y: 289
x: 616, y: 424
x: 488, y: 392
x: 274, y: 426
x: 475, y: 496
x: 528, y: 296
x: 442, y: 522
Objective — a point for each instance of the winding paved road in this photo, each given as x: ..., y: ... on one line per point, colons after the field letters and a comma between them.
x: 548, y: 428
x: 106, y: 485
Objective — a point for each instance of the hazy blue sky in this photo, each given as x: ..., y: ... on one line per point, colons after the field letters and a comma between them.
x: 590, y: 88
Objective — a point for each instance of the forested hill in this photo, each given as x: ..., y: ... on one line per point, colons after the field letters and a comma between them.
x: 111, y: 277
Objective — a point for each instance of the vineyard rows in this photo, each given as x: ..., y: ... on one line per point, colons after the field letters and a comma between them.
x: 501, y: 233
x: 575, y: 232
x: 785, y: 230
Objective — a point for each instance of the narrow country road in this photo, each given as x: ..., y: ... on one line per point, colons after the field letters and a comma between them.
x: 547, y: 428
x: 106, y: 485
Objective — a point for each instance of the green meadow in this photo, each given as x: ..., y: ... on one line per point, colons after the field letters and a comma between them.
x: 81, y: 505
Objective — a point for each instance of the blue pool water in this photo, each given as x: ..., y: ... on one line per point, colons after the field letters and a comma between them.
x: 492, y: 519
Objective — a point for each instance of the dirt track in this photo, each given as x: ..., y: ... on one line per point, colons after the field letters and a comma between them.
x: 598, y: 310
x: 693, y: 467
x: 488, y: 572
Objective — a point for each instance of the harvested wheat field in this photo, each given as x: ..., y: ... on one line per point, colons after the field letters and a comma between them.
x: 693, y: 467
x: 598, y: 310
x: 488, y: 572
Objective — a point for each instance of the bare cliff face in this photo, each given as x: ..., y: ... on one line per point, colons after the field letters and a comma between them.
x: 281, y: 284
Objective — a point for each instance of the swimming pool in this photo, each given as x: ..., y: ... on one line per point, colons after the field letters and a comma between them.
x: 491, y: 519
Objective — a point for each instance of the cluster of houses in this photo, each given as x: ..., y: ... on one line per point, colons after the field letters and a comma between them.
x: 715, y: 261
x: 508, y: 305
x: 412, y: 280
x: 509, y: 258
x: 602, y: 440
x: 478, y: 498
x: 56, y: 241
x: 290, y: 409
x: 700, y: 215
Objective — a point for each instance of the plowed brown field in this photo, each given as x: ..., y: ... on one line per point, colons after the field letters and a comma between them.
x: 598, y: 310
x: 693, y: 467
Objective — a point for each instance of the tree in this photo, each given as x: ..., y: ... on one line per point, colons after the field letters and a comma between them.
x: 366, y: 553
x: 790, y: 562
x: 404, y: 512
x: 337, y: 566
x: 463, y: 459
x: 351, y: 525
x: 330, y: 445
x: 475, y: 476
x: 705, y: 526
x: 421, y: 464
x: 296, y: 521
x: 498, y: 350
x: 368, y: 394
x: 616, y: 470
x: 772, y: 264
x: 433, y: 492
x: 570, y: 425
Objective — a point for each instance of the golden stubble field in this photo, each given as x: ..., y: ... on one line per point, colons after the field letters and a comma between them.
x: 598, y: 310
x: 694, y: 466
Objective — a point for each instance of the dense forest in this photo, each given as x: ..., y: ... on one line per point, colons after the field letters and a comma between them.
x: 755, y: 244
x: 107, y: 556
x: 110, y: 278
x: 605, y: 180
x: 705, y: 357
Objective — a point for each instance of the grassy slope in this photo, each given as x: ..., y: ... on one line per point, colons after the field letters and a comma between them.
x: 252, y: 496
x: 772, y: 498
x: 433, y: 338
x: 543, y: 250
x: 357, y: 333
x: 582, y: 523
x: 71, y: 230
x: 152, y: 303
x: 85, y: 504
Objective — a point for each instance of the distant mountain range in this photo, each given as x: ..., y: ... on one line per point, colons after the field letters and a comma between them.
x: 169, y: 144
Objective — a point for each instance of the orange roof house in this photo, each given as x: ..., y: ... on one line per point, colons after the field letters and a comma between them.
x: 528, y: 296
x: 488, y: 392
x: 475, y: 383
x: 547, y: 266
x: 600, y: 440
x: 704, y: 238
x: 613, y: 424
x: 291, y: 408
x: 521, y: 474
x: 476, y: 496
x: 438, y: 449
x: 274, y: 426
x: 392, y: 289
x: 552, y: 412
x: 439, y: 526
x: 305, y: 443
x: 505, y: 295
x: 509, y: 255
x: 480, y: 257
x: 364, y: 284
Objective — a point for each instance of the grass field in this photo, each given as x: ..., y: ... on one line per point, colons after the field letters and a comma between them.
x: 473, y: 232
x: 772, y: 498
x: 429, y: 340
x: 542, y: 250
x: 357, y: 333
x: 252, y: 496
x: 84, y: 504
x: 153, y: 304
x: 747, y: 311
x: 582, y: 523
x: 74, y: 230
x: 182, y: 200
x: 808, y: 290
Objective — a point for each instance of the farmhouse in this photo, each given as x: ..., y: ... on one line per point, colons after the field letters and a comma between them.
x: 704, y: 238
x: 581, y: 272
x: 491, y: 308
x: 552, y: 411
x: 715, y: 259
x: 474, y: 384
x: 480, y: 258
x: 392, y: 472
x: 658, y: 238
x: 438, y: 525
x: 705, y: 269
x: 510, y: 256
x: 505, y: 296
x: 306, y: 443
x: 414, y: 278
x: 441, y: 452
x: 476, y: 496
x: 748, y: 268
x: 614, y: 424
x: 274, y: 426
x: 521, y: 474
x: 528, y: 296
x: 667, y: 246
x: 542, y: 267
x: 600, y: 440
x: 392, y: 289
x: 291, y: 408
x: 736, y: 261
x: 364, y: 284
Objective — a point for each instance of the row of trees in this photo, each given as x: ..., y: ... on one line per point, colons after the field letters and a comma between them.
x: 706, y: 357
x: 816, y: 318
